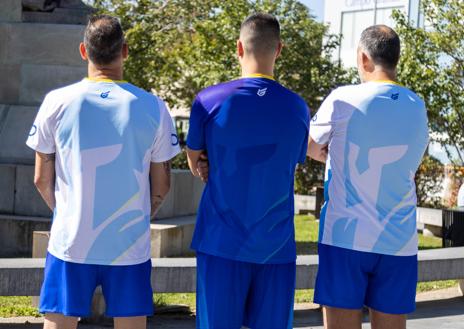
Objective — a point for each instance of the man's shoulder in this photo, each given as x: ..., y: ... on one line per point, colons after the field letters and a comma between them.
x: 218, y: 91
x: 64, y: 94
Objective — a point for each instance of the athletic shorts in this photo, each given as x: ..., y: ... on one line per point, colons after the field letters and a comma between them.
x: 232, y: 293
x: 352, y: 279
x: 68, y: 288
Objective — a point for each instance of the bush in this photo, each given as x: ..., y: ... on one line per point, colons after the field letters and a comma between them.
x: 308, y: 176
x: 429, y: 183
x: 180, y: 161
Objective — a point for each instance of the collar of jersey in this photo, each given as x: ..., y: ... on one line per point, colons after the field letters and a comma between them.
x: 259, y: 75
x: 104, y: 80
x: 387, y: 81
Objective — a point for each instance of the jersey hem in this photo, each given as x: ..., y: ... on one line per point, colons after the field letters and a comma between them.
x: 167, y: 158
x: 137, y: 261
x: 39, y: 149
x: 244, y: 259
x: 361, y: 249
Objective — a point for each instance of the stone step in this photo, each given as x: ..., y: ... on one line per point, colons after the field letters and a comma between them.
x: 169, y: 238
x: 23, y: 277
x: 16, y: 234
x: 172, y: 237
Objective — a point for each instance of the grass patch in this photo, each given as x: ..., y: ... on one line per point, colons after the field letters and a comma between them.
x: 174, y: 299
x: 17, y: 306
x: 306, y: 236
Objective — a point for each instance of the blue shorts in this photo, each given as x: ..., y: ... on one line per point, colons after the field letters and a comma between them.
x: 233, y: 293
x: 351, y: 279
x: 68, y: 288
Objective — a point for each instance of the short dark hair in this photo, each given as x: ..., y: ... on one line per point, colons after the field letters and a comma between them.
x: 260, y: 33
x: 382, y: 44
x: 103, y: 39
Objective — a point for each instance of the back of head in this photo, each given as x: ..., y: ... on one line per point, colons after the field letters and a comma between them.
x: 260, y: 35
x: 382, y: 44
x: 103, y: 39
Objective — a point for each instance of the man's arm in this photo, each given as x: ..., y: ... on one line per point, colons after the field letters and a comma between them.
x: 44, y: 177
x: 160, y: 179
x: 317, y: 152
x: 198, y: 163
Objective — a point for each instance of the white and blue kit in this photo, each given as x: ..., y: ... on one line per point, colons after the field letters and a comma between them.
x: 104, y: 134
x: 377, y: 134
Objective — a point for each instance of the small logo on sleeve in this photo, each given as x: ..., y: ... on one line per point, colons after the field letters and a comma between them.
x: 314, y: 118
x: 33, y: 130
x: 104, y: 94
x: 174, y: 140
x: 395, y: 96
x: 262, y: 92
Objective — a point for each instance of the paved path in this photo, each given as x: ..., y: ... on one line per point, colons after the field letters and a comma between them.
x: 447, y: 313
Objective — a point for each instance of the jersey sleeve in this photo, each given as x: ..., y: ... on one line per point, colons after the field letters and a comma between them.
x: 304, y: 147
x: 42, y: 134
x: 196, y: 134
x: 166, y: 143
x: 323, y: 122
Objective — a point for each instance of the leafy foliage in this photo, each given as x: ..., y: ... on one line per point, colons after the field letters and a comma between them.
x: 179, y: 47
x: 429, y: 178
x: 432, y: 64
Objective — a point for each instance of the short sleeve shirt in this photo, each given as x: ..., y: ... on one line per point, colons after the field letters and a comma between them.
x: 255, y: 132
x: 377, y: 134
x: 104, y: 135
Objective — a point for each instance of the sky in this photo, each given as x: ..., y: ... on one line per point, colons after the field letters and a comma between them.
x: 317, y: 8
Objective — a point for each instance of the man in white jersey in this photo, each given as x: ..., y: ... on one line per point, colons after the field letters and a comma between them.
x: 103, y: 150
x: 372, y: 137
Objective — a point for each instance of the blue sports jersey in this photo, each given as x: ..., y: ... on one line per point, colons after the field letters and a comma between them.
x: 255, y: 131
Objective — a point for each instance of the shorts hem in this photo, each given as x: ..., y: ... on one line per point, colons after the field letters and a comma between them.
x: 336, y: 305
x: 65, y: 313
x: 389, y: 311
x: 129, y: 315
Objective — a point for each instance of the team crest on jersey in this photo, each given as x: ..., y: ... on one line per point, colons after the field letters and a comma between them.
x: 262, y: 92
x: 395, y: 96
x: 104, y: 94
x: 33, y: 130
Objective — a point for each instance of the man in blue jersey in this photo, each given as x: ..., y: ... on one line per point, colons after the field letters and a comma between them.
x: 254, y: 132
x: 103, y: 150
x: 375, y: 134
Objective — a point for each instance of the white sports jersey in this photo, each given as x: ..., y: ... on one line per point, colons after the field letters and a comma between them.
x: 104, y: 134
x: 377, y: 134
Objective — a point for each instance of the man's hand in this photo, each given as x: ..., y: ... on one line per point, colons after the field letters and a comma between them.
x: 198, y: 163
x: 317, y: 152
x: 203, y: 167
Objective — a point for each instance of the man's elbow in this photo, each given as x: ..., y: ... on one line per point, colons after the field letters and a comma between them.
x: 41, y: 183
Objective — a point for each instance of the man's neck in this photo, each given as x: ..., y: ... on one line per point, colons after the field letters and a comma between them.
x: 257, y: 69
x: 379, y: 75
x: 107, y: 73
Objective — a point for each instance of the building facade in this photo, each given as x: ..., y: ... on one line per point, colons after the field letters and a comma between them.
x: 350, y: 17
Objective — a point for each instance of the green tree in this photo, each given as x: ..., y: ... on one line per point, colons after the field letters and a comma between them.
x: 432, y: 64
x: 179, y: 47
